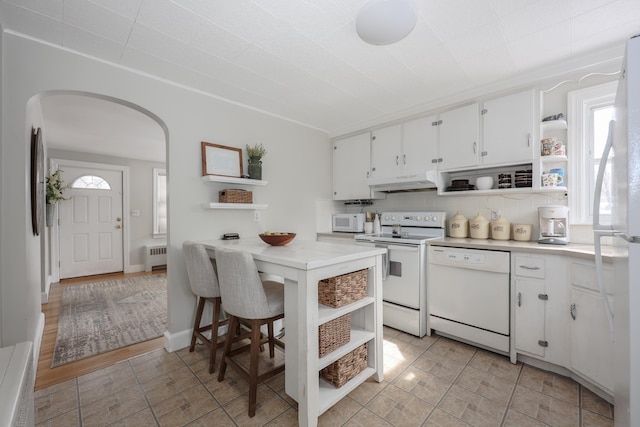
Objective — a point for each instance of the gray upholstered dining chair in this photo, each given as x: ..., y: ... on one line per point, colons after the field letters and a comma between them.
x: 245, y: 296
x: 204, y: 284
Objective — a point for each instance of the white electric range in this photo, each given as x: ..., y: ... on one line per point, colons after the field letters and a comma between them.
x: 404, y: 289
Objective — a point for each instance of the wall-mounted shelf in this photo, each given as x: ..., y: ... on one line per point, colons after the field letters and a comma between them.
x: 553, y: 125
x: 553, y: 159
x: 214, y: 205
x: 232, y: 180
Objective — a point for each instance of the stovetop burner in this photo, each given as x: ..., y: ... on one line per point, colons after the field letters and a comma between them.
x: 414, y: 228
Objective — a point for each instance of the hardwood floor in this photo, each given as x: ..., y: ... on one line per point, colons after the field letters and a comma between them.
x: 47, y: 376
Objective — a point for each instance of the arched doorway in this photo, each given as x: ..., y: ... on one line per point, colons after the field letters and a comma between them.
x: 92, y: 128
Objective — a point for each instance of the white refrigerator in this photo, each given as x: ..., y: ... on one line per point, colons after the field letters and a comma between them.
x: 624, y: 138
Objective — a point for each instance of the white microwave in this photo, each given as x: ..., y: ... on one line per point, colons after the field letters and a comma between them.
x: 350, y: 223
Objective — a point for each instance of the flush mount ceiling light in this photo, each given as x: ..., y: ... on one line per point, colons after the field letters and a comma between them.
x: 383, y: 22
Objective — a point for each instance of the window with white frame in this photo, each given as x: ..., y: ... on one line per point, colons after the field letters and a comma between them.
x: 589, y: 113
x: 159, y: 202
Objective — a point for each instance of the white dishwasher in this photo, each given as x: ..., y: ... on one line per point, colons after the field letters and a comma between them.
x: 468, y: 295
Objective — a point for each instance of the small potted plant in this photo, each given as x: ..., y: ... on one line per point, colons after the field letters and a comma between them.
x: 55, y: 193
x: 255, y: 153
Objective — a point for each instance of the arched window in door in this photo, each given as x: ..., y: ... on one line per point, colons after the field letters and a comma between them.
x: 91, y: 182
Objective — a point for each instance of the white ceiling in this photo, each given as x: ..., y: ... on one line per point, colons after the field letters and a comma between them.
x: 302, y: 59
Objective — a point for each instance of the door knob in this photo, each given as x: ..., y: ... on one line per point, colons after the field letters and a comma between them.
x: 118, y: 226
x: 118, y: 219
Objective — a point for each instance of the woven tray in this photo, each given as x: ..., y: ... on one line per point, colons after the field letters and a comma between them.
x: 334, y: 334
x: 342, y: 290
x: 235, y: 196
x: 345, y: 368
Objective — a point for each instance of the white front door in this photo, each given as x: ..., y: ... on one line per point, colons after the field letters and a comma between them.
x: 91, y: 222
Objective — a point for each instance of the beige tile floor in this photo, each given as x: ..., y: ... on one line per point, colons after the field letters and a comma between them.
x: 432, y: 381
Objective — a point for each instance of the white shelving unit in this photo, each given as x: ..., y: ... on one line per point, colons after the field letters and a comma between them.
x: 235, y: 181
x: 362, y: 331
x: 557, y: 129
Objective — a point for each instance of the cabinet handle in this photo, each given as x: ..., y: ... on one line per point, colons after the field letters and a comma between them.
x: 439, y: 159
x: 526, y: 267
x: 367, y: 174
x: 434, y: 160
x: 528, y: 140
x: 543, y: 297
x: 397, y: 161
x: 404, y: 159
x: 483, y: 154
x: 475, y: 145
x: 543, y: 343
x: 572, y: 311
x: 483, y: 112
x: 519, y: 299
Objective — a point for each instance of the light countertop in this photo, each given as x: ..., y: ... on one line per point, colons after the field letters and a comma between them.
x: 576, y: 250
x: 300, y: 254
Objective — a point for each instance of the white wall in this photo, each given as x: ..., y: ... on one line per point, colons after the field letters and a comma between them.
x: 297, y: 166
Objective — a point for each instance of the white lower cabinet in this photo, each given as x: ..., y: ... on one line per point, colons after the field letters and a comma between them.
x: 530, y: 316
x: 591, y: 345
x: 539, y: 299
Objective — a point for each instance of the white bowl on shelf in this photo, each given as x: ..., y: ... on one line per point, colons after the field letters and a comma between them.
x: 484, y: 183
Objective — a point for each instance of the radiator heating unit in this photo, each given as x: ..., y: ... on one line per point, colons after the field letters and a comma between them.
x: 155, y: 256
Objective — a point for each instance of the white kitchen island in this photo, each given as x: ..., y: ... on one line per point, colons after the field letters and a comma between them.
x: 302, y: 264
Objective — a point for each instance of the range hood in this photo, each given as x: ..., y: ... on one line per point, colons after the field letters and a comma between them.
x: 418, y: 181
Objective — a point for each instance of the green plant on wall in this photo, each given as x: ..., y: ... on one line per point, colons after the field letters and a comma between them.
x: 257, y: 150
x: 55, y: 187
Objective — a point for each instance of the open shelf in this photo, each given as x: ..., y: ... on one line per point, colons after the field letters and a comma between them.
x: 328, y: 395
x: 214, y: 205
x: 553, y: 125
x: 232, y: 180
x: 358, y: 337
x: 327, y: 314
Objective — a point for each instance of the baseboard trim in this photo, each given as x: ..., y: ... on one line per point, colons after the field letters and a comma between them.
x: 176, y: 341
x: 134, y: 268
x: 37, y: 342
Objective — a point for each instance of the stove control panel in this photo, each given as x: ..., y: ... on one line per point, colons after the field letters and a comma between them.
x: 415, y: 219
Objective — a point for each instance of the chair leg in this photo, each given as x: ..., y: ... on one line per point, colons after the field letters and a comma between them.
x: 215, y: 323
x: 196, y: 323
x: 233, y: 323
x: 271, y: 341
x: 253, y: 366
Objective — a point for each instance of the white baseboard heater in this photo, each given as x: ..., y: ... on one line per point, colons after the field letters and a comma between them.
x: 16, y: 385
x: 155, y: 256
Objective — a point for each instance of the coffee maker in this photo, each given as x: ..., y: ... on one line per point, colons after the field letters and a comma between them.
x: 554, y: 225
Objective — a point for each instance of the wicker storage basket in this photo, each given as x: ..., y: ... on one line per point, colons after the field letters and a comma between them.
x: 333, y: 334
x: 345, y: 368
x: 344, y: 289
x: 235, y: 196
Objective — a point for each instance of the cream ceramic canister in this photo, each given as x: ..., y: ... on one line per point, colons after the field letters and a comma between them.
x: 522, y: 232
x: 479, y: 227
x: 458, y: 226
x: 500, y: 229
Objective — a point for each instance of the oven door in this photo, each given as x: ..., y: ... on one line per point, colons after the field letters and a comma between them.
x: 402, y: 284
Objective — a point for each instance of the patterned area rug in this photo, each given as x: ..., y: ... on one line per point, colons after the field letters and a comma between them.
x: 99, y: 317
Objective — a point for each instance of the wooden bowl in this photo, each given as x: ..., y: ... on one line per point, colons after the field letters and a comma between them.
x: 277, y: 239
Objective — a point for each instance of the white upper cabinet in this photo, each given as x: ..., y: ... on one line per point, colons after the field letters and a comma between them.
x: 386, y: 148
x: 351, y: 163
x: 459, y: 138
x: 508, y: 125
x: 420, y: 145
x: 404, y: 149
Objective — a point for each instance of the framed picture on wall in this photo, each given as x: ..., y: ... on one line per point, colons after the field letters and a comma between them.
x: 37, y: 180
x: 221, y: 160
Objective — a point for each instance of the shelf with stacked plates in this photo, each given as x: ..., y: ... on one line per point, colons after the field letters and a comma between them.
x: 508, y: 179
x: 553, y: 154
x: 234, y: 181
